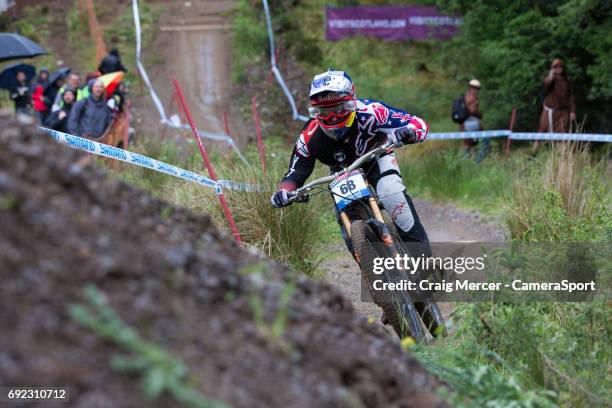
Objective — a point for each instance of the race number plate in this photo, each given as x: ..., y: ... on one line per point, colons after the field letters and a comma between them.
x: 348, y: 188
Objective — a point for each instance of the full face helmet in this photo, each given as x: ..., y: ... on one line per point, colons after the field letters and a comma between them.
x: 332, y: 96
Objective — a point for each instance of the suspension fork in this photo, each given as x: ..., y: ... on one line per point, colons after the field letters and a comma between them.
x: 375, y: 210
x: 377, y: 223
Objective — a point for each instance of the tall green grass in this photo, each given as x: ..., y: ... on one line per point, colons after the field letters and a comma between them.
x: 290, y: 235
x: 293, y: 235
x: 566, y: 197
x: 529, y: 354
x: 441, y: 172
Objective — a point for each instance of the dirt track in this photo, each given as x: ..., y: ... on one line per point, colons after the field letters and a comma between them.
x: 192, y: 45
x: 443, y: 223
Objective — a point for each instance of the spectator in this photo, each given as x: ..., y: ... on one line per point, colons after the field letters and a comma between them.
x: 89, y: 80
x: 58, y: 120
x: 38, y: 99
x: 473, y: 122
x: 559, y: 109
x: 74, y: 82
x: 111, y: 63
x: 90, y: 117
x: 115, y: 102
x: 51, y: 91
x: 20, y: 94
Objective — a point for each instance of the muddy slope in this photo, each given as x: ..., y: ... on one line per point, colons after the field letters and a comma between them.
x: 171, y: 275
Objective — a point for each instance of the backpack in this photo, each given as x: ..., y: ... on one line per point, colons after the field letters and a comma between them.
x: 460, y: 112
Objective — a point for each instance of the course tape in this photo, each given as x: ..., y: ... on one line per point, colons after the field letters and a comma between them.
x: 468, y: 135
x: 277, y: 74
x: 156, y: 101
x: 578, y: 137
x: 105, y: 150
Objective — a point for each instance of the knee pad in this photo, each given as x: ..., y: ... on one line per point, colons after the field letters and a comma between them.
x: 390, y: 190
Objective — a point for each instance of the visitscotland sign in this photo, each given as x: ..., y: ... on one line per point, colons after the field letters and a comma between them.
x: 389, y: 22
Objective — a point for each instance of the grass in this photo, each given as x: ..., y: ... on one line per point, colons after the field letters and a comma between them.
x: 440, y: 171
x: 160, y: 372
x: 566, y: 197
x: 272, y: 330
x: 290, y: 235
x: 560, y: 348
x: 536, y: 354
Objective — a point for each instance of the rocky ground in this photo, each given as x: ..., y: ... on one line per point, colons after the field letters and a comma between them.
x: 182, y: 285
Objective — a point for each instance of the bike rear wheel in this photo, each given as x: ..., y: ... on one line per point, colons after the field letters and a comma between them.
x: 400, y: 311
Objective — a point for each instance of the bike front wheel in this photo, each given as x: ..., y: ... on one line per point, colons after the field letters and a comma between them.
x: 400, y: 309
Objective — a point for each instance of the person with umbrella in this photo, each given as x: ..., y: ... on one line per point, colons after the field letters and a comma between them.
x: 91, y: 117
x: 14, y: 46
x: 38, y: 99
x: 58, y: 120
x: 56, y: 82
x: 20, y: 94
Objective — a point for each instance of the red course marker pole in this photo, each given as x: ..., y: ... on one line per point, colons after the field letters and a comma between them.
x: 260, y: 145
x: 229, y: 133
x: 510, y: 128
x: 209, y: 167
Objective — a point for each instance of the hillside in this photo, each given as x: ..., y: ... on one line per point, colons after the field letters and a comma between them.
x: 182, y: 286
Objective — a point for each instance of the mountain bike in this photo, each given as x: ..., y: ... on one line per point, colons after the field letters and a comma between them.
x: 373, y: 235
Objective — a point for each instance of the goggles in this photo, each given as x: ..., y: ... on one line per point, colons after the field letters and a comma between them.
x: 328, y: 113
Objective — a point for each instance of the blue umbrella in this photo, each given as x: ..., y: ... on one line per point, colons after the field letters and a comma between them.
x: 14, y: 46
x: 8, y: 77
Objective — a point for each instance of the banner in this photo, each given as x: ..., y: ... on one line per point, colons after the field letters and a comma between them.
x: 390, y: 23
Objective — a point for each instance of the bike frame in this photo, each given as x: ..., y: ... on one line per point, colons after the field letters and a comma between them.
x: 380, y: 225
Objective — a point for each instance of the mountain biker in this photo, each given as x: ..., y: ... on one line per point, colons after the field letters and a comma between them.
x: 343, y: 128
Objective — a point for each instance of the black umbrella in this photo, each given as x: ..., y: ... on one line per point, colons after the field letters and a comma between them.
x: 14, y: 46
x: 8, y: 77
x: 60, y: 73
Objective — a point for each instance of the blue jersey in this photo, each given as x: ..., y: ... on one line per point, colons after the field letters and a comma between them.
x: 373, y: 123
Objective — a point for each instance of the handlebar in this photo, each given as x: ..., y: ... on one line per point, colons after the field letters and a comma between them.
x: 302, y: 191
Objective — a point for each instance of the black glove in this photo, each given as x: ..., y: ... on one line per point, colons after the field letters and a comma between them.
x: 281, y: 198
x: 404, y: 135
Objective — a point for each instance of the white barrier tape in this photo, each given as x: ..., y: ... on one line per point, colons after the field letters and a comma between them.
x: 112, y: 152
x: 232, y: 185
x: 578, y: 137
x: 156, y: 101
x: 468, y: 135
x: 277, y: 74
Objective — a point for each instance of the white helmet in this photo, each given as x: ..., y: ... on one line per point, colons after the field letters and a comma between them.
x: 332, y: 95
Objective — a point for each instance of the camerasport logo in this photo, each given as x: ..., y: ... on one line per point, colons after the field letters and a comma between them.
x: 381, y: 113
